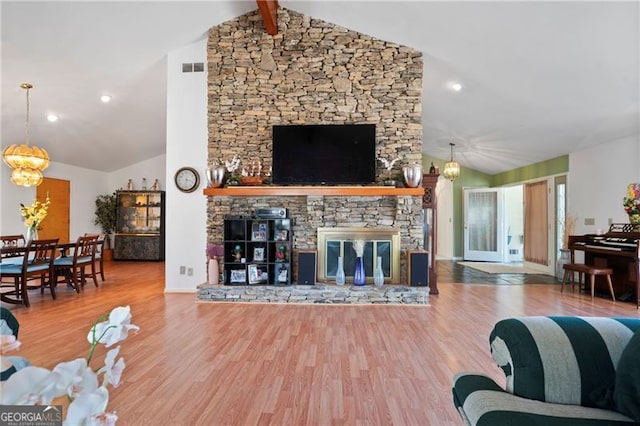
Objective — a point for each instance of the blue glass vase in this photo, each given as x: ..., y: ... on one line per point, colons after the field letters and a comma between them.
x: 359, y: 277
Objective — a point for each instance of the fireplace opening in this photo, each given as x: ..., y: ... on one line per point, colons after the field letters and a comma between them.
x: 379, y: 242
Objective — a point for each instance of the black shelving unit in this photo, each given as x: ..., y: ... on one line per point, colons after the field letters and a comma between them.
x: 139, y: 225
x: 257, y: 251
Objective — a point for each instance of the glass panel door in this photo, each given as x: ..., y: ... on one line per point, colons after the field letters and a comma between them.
x: 484, y: 223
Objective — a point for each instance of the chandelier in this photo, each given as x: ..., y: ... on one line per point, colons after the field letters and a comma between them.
x: 26, y: 161
x: 451, y: 169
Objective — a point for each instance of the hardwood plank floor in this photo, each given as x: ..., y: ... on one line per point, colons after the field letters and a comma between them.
x: 246, y: 364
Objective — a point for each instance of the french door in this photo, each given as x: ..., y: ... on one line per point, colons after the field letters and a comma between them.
x: 484, y: 225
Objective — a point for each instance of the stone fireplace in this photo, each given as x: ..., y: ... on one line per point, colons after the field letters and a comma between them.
x: 314, y: 72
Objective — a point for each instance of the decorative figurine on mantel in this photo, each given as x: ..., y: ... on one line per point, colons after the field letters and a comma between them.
x: 388, y: 164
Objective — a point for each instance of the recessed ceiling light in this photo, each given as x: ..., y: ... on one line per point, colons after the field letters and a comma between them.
x: 53, y: 118
x: 455, y: 86
x: 105, y: 98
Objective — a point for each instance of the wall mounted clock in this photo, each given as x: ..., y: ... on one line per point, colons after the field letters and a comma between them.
x: 187, y: 179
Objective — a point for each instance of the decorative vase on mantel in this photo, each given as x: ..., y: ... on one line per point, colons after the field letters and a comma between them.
x: 359, y: 276
x: 340, y: 276
x: 378, y: 275
x: 634, y: 219
x: 32, y: 234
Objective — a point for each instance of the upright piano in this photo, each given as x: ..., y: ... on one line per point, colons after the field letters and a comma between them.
x: 618, y: 249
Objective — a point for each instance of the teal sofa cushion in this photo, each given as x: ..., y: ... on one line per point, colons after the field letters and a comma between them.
x: 626, y: 393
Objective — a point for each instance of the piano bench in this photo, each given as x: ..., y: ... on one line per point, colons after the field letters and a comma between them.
x: 590, y: 270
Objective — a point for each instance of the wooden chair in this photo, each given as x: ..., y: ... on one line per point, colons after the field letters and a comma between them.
x: 12, y: 241
x: 98, y: 265
x: 37, y: 263
x: 73, y: 268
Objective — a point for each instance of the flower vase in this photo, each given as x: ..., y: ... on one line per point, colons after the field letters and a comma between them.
x: 634, y: 219
x: 340, y: 277
x: 378, y: 275
x: 214, y: 271
x: 32, y: 234
x: 359, y: 277
x: 564, y: 257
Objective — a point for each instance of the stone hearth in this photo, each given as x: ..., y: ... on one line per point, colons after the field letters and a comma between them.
x: 319, y: 293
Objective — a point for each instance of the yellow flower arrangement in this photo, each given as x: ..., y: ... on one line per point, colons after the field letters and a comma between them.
x: 34, y: 214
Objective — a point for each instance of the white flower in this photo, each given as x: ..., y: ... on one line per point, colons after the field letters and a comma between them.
x: 388, y: 164
x: 29, y: 386
x: 74, y: 377
x: 358, y: 247
x: 8, y: 343
x: 89, y: 409
x: 115, y: 330
x: 232, y: 165
x: 112, y: 370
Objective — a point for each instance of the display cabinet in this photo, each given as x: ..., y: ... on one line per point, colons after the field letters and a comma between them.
x: 139, y: 225
x: 257, y: 251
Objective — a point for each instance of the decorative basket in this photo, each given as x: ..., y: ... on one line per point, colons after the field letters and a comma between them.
x: 251, y: 180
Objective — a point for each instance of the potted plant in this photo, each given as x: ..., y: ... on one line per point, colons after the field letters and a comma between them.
x: 106, y: 208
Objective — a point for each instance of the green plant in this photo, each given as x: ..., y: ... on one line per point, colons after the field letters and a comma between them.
x: 106, y: 214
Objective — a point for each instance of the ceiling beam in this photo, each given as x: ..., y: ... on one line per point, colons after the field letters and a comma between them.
x: 269, y: 12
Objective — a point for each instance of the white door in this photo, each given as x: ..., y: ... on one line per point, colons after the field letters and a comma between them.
x: 485, y: 236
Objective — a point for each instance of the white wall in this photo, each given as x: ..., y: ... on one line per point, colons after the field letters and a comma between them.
x: 85, y: 185
x: 597, y: 182
x: 444, y: 194
x: 151, y: 169
x: 186, y: 233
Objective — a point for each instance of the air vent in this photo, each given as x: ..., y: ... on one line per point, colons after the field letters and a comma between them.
x: 513, y: 251
x: 193, y: 67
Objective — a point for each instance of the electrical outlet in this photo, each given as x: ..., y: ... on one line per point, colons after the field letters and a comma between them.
x: 610, y: 221
x: 589, y: 221
x: 182, y: 269
x: 190, y: 272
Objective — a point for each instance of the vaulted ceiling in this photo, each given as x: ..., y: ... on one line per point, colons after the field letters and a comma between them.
x: 540, y: 79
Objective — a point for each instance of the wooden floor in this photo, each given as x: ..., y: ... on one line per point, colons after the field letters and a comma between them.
x: 246, y: 364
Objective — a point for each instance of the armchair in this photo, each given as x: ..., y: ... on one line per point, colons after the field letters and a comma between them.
x: 559, y: 371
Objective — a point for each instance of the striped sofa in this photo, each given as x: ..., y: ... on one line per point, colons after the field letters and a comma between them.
x: 559, y: 371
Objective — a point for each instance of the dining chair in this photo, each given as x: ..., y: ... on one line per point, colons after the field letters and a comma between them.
x: 98, y: 265
x: 37, y: 263
x: 73, y: 268
x: 12, y: 241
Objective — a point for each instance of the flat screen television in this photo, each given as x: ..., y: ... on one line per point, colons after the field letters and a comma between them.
x: 324, y: 154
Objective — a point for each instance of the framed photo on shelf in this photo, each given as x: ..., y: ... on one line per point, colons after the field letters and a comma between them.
x: 259, y: 232
x: 281, y: 235
x: 257, y: 274
x: 258, y: 254
x: 238, y: 276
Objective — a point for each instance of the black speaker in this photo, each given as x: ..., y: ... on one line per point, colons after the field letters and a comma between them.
x: 418, y: 267
x: 307, y: 267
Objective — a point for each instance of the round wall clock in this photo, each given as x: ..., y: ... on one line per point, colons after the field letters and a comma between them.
x: 187, y: 179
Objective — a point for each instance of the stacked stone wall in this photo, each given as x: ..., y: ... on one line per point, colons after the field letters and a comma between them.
x: 313, y: 72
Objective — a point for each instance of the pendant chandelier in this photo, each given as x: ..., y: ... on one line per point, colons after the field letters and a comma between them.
x: 27, y: 162
x: 451, y: 169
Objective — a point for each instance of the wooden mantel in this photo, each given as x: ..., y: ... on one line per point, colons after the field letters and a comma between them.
x: 283, y: 191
